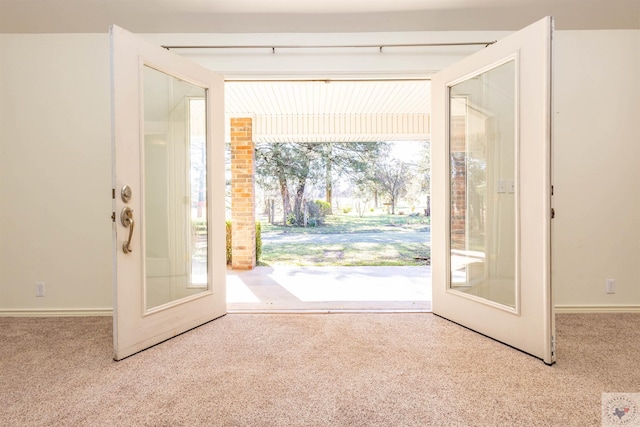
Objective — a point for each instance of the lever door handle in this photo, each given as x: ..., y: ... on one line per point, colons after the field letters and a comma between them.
x: 126, y: 217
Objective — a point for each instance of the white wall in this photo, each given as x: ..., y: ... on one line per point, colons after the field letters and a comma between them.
x: 55, y: 173
x: 597, y: 168
x: 55, y: 159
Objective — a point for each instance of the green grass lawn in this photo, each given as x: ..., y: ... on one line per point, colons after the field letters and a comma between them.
x: 349, y: 254
x: 352, y: 223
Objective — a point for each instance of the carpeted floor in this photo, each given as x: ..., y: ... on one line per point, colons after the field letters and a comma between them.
x: 313, y: 370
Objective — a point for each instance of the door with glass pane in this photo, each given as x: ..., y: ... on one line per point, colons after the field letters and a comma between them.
x: 491, y: 189
x: 168, y: 148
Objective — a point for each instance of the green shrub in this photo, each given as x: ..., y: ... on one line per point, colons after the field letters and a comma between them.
x: 346, y: 210
x: 258, y: 241
x: 228, y: 242
x: 324, y: 207
x: 316, y: 211
x: 291, y: 218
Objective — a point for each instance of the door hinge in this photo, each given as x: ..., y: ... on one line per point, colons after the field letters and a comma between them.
x: 113, y: 193
x: 553, y: 213
x: 552, y: 190
x: 113, y: 216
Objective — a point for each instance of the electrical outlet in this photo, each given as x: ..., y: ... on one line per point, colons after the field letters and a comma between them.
x: 39, y: 289
x: 610, y: 286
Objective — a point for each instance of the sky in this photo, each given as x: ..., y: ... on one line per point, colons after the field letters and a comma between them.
x: 405, y: 150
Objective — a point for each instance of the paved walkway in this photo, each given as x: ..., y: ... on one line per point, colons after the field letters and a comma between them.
x: 327, y: 289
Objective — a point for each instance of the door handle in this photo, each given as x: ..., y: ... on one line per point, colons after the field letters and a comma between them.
x: 126, y: 217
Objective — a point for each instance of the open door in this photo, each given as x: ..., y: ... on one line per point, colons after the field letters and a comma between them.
x: 168, y: 197
x: 491, y: 189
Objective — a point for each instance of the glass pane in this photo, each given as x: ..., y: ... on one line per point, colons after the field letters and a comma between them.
x: 175, y: 188
x: 482, y: 150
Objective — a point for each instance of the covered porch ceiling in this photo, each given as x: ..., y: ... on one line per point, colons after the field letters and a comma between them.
x: 332, y: 110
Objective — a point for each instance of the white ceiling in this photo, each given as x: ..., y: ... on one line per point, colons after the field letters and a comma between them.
x: 257, y: 16
x: 320, y: 98
x: 332, y: 111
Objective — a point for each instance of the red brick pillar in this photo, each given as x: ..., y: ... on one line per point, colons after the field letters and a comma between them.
x: 243, y: 238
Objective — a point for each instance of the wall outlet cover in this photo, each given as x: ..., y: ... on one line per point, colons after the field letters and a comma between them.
x: 610, y: 286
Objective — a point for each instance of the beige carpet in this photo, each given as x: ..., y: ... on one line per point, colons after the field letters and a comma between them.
x: 312, y: 370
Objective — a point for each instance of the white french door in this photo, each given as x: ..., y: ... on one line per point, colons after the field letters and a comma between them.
x: 491, y: 190
x: 168, y: 197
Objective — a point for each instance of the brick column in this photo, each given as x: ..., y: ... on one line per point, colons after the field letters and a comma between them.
x: 458, y: 153
x: 243, y: 239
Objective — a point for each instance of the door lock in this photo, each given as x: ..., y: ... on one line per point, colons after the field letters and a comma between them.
x: 125, y: 194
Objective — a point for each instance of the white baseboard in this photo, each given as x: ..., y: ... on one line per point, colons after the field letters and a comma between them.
x: 597, y: 309
x: 83, y: 312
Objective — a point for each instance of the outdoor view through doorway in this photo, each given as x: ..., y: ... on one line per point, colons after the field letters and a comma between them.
x: 341, y: 195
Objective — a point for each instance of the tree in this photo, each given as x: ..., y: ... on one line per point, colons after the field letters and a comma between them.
x: 423, y: 166
x: 328, y: 175
x: 290, y: 164
x: 271, y: 164
x: 423, y: 169
x: 301, y: 167
x: 361, y: 195
x: 392, y: 176
x: 353, y: 160
x: 293, y: 164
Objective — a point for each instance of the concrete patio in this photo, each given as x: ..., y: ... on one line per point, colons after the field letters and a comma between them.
x: 329, y: 289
